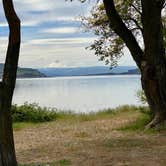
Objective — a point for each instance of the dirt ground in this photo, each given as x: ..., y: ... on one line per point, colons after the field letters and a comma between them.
x: 90, y: 143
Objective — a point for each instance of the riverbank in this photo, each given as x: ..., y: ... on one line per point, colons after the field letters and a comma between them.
x: 102, y: 139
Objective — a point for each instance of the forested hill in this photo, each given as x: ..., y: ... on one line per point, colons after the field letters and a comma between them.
x: 24, y: 72
x: 79, y: 71
x: 88, y: 71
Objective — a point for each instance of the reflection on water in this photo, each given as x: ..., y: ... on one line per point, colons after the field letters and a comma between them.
x: 83, y: 94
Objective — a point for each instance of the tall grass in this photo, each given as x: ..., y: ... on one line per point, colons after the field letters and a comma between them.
x: 35, y: 113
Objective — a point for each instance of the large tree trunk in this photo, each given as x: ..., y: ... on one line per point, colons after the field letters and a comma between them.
x: 7, y: 149
x: 155, y: 91
x: 152, y: 60
x: 154, y: 63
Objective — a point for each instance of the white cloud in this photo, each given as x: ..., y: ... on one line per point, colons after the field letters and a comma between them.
x: 57, y: 64
x: 49, y: 10
x: 62, y: 41
x: 61, y: 30
x: 38, y: 49
x: 23, y: 24
x: 30, y: 23
x: 4, y: 24
x: 57, y: 18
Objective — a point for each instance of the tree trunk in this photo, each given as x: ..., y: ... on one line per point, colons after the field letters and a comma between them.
x: 155, y: 91
x: 7, y: 149
x: 152, y: 60
x: 153, y: 67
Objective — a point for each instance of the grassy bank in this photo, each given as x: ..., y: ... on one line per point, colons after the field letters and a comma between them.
x: 33, y: 114
x: 36, y: 114
x: 109, y: 137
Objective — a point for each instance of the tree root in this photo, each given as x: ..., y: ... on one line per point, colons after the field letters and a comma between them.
x: 156, y: 121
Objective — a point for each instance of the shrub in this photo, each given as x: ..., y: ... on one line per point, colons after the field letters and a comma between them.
x: 32, y: 113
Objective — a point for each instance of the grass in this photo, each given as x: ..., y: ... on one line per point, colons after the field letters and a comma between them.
x: 21, y: 125
x: 32, y: 115
x: 138, y: 125
x: 125, y: 143
x: 142, y: 120
x: 108, y: 137
x: 62, y: 162
x: 101, y: 114
x: 29, y: 115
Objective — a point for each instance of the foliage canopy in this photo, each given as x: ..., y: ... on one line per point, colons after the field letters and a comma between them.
x: 109, y: 46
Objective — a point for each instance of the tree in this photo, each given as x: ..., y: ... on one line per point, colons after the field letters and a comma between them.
x: 7, y: 85
x: 140, y: 26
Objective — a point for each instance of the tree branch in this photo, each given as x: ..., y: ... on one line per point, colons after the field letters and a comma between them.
x: 137, y: 24
x: 136, y: 9
x: 125, y: 34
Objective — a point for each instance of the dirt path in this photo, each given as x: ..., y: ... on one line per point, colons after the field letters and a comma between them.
x: 90, y: 143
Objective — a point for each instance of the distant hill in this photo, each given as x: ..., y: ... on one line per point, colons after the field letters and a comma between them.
x: 84, y: 71
x: 71, y: 71
x: 24, y: 72
x: 29, y: 73
x: 133, y: 71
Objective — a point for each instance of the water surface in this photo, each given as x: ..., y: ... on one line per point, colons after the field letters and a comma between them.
x: 80, y: 94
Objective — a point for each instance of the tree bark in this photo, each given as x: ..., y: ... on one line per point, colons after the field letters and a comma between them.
x: 152, y: 60
x: 154, y: 64
x: 7, y: 149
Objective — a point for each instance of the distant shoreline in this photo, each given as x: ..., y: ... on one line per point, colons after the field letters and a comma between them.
x: 122, y: 74
x: 73, y: 72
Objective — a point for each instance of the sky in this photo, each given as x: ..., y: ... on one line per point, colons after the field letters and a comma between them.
x: 52, y: 35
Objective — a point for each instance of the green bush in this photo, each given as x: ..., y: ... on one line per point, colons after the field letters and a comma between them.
x: 32, y: 113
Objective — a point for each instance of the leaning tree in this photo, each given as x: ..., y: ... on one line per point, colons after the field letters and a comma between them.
x: 7, y: 85
x: 138, y: 25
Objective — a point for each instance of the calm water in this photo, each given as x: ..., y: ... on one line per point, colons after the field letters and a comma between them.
x: 81, y: 94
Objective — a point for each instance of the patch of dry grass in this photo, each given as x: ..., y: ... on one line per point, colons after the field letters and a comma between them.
x: 96, y: 140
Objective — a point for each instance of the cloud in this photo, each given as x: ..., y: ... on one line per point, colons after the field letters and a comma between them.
x: 51, y: 34
x: 43, y: 11
x: 3, y: 24
x: 23, y: 24
x: 61, y: 30
x: 57, y: 63
x: 49, y: 10
x: 61, y: 42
